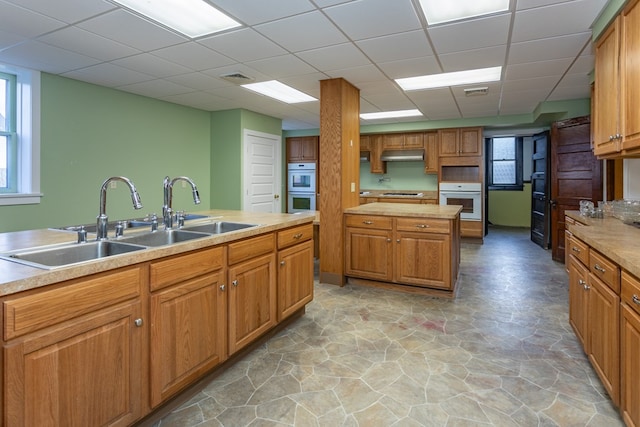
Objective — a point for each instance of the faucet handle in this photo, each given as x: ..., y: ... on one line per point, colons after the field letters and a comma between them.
x: 119, y: 228
x: 82, y: 235
x: 154, y: 222
x: 180, y: 218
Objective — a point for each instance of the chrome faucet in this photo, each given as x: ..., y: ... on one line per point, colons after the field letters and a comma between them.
x: 167, y: 210
x: 101, y: 229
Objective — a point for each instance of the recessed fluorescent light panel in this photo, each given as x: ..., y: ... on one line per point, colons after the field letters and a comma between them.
x: 457, y: 78
x: 441, y: 11
x: 193, y: 18
x: 279, y: 91
x: 390, y: 114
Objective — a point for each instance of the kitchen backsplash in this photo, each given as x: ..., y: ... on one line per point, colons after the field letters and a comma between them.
x: 399, y: 176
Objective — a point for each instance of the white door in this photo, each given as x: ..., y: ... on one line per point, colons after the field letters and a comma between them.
x: 261, y: 172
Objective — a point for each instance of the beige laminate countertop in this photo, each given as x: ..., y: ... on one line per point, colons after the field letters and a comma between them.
x: 15, y: 277
x: 618, y: 241
x: 407, y: 210
x: 426, y: 195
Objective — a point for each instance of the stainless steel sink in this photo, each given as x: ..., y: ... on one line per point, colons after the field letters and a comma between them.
x: 127, y: 223
x: 161, y: 238
x: 218, y: 227
x: 50, y: 257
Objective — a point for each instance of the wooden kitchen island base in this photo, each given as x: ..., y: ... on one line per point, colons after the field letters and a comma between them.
x: 407, y: 247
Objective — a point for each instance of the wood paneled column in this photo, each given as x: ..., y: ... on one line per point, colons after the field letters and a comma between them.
x: 339, y: 172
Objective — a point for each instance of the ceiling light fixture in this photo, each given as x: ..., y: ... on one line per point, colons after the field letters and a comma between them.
x: 193, y: 18
x: 438, y: 11
x: 457, y: 78
x: 390, y: 114
x: 279, y: 91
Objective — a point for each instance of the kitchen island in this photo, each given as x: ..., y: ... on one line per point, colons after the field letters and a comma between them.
x: 407, y: 247
x: 108, y: 341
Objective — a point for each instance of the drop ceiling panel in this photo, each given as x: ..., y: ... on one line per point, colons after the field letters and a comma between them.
x: 69, y: 11
x: 156, y: 88
x: 152, y: 65
x: 359, y: 76
x: 89, y: 44
x: 202, y: 100
x: 193, y: 56
x: 281, y: 66
x: 396, y: 47
x: 303, y: 32
x: 365, y: 19
x: 479, y: 33
x: 40, y: 56
x: 411, y: 67
x: 335, y: 57
x: 198, y: 81
x: 555, y: 67
x: 493, y: 56
x: 548, y: 49
x: 252, y: 12
x: 25, y: 23
x: 243, y: 45
x: 107, y: 74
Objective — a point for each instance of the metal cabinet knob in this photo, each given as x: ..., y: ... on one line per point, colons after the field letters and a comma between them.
x: 282, y: 262
x: 137, y: 322
x: 598, y: 268
x: 635, y: 299
x: 222, y: 287
x: 234, y: 283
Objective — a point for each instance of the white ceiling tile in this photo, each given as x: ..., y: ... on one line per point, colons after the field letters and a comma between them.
x: 152, y: 65
x: 9, y: 39
x: 360, y: 75
x: 236, y: 68
x: 530, y: 4
x: 541, y: 83
x: 478, y: 33
x: 493, y: 56
x: 69, y: 11
x: 243, y: 45
x: 366, y: 19
x: 252, y: 12
x: 411, y: 67
x: 327, y: 3
x: 555, y: 20
x: 583, y: 64
x: 198, y: 81
x: 282, y: 66
x: 313, y: 30
x: 335, y: 57
x: 131, y: 30
x: 156, y: 88
x: 202, y: 100
x: 555, y: 67
x: 87, y: 43
x: 193, y: 56
x: 108, y: 75
x: 396, y: 47
x: 548, y: 49
x: 40, y: 56
x: 25, y: 23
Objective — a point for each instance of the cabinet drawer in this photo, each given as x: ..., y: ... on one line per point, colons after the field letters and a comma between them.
x: 369, y: 221
x: 294, y: 235
x: 39, y: 310
x: 182, y: 267
x: 631, y: 291
x: 579, y: 249
x: 427, y: 225
x: 605, y: 270
x: 250, y: 248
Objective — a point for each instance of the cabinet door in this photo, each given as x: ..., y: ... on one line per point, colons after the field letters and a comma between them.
x: 84, y: 372
x: 604, y: 329
x: 431, y: 153
x: 295, y: 278
x: 377, y: 165
x: 364, y: 143
x: 470, y: 143
x: 309, y: 149
x: 630, y: 367
x: 369, y: 254
x: 188, y: 333
x: 413, y: 141
x: 578, y: 300
x: 606, y: 91
x: 423, y: 259
x: 393, y: 140
x: 252, y: 300
x: 448, y: 139
x: 630, y: 78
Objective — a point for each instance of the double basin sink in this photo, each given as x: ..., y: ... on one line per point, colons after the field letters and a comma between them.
x: 62, y: 255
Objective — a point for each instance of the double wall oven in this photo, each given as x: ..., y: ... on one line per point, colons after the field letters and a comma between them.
x: 301, y: 187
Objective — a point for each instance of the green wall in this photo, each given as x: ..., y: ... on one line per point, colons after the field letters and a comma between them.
x: 511, y: 208
x: 89, y: 133
x: 401, y: 175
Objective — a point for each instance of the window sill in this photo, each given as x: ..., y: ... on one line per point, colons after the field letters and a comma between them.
x: 20, y: 199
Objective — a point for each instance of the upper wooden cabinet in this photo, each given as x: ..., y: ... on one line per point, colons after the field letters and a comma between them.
x: 431, y: 152
x: 460, y: 142
x: 302, y: 149
x: 402, y: 141
x: 617, y: 87
x: 375, y: 148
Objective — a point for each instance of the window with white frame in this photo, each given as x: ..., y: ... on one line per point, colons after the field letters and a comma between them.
x: 19, y: 136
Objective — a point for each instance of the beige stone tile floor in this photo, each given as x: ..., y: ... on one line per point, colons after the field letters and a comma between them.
x: 501, y: 354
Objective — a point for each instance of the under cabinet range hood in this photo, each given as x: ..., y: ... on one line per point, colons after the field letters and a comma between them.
x: 402, y: 155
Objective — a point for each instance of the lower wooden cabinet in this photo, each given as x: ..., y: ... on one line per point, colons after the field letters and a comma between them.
x: 295, y: 278
x: 578, y: 299
x: 630, y: 366
x: 83, y: 365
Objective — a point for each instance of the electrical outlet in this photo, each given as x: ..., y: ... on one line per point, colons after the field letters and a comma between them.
x: 353, y: 187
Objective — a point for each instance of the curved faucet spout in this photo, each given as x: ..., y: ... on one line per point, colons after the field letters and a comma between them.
x: 167, y: 210
x: 102, y: 216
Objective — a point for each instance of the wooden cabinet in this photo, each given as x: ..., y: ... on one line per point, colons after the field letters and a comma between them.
x: 375, y: 148
x: 431, y: 153
x: 295, y: 269
x: 403, y: 141
x: 188, y: 320
x: 629, y: 350
x: 459, y: 142
x: 252, y: 290
x: 617, y: 89
x: 302, y: 149
x: 74, y: 355
x: 578, y: 299
x: 419, y: 252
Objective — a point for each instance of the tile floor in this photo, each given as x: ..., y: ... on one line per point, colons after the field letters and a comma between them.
x: 501, y: 354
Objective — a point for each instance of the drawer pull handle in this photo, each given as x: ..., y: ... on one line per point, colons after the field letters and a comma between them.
x: 575, y: 249
x: 635, y: 299
x: 598, y: 268
x: 297, y: 236
x: 422, y: 226
x: 367, y: 222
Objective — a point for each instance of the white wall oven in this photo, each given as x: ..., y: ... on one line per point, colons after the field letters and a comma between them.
x: 466, y: 194
x: 301, y: 187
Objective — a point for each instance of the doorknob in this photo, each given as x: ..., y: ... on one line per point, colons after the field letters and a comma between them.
x: 553, y: 203
x: 276, y: 196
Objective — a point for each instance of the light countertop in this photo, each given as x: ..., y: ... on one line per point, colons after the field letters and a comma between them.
x: 406, y: 209
x: 617, y: 241
x: 15, y: 277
